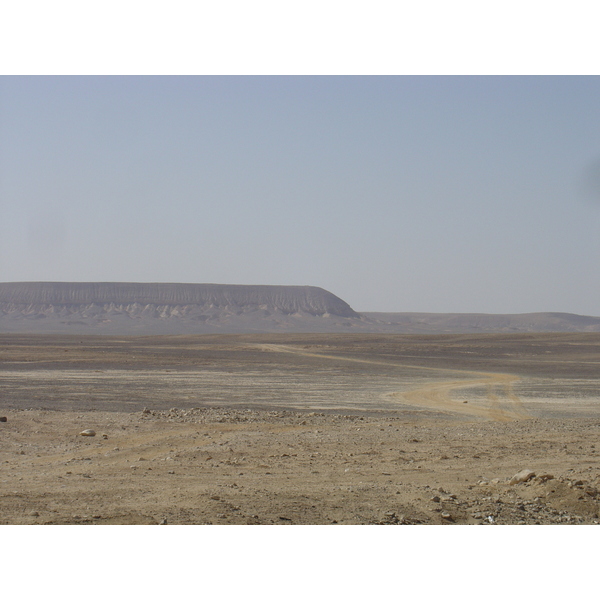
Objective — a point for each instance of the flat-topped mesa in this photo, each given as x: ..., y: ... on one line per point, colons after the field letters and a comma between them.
x: 284, y: 298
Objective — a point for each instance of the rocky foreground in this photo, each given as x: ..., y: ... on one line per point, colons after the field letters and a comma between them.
x: 221, y: 466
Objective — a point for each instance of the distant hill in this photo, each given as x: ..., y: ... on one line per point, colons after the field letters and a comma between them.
x: 178, y: 308
x: 480, y: 323
x: 152, y: 308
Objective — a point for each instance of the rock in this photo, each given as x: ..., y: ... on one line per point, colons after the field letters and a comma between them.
x: 88, y: 432
x: 3, y: 419
x: 104, y: 436
x: 522, y: 476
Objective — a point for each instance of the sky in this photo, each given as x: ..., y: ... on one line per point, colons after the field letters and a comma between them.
x: 396, y: 193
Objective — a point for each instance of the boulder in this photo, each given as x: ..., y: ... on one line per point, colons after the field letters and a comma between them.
x: 522, y: 477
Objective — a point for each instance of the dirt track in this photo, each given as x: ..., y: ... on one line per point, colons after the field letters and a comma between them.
x: 300, y: 429
x: 437, y: 395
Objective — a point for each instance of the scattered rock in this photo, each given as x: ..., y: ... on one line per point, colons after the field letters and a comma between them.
x: 88, y: 433
x: 3, y: 419
x: 521, y: 477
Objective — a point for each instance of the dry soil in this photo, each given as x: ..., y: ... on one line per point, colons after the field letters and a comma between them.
x: 300, y: 429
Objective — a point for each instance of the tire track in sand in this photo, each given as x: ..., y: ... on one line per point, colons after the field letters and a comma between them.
x: 499, y: 404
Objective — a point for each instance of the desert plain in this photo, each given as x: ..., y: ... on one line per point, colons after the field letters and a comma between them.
x: 300, y: 429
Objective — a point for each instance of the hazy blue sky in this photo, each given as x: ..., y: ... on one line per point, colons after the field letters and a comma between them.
x: 435, y: 194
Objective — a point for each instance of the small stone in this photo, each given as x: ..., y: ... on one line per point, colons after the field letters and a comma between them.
x: 88, y: 432
x: 34, y: 513
x: 3, y: 419
x: 436, y: 499
x: 446, y: 515
x: 521, y: 477
x: 104, y: 436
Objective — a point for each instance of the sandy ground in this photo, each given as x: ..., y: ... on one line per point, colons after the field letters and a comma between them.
x: 300, y: 429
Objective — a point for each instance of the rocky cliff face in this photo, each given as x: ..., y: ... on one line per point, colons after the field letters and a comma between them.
x: 287, y: 299
x: 94, y: 303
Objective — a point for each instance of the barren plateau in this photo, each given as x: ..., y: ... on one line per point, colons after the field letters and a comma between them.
x: 105, y: 308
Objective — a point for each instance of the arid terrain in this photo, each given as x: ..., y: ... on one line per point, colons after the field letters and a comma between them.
x: 300, y: 429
